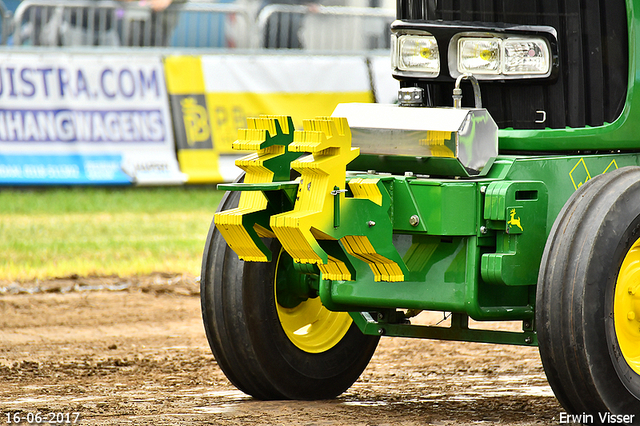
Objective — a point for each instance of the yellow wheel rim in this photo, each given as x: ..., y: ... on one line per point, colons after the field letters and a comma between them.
x: 310, y: 326
x: 626, y: 307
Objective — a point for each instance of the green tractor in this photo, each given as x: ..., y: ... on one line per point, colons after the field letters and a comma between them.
x: 504, y: 186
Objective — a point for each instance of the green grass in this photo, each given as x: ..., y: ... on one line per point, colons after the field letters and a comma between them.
x: 58, y: 232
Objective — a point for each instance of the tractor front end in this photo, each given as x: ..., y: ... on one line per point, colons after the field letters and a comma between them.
x: 344, y: 231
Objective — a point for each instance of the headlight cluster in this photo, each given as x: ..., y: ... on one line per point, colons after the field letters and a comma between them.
x: 485, y: 56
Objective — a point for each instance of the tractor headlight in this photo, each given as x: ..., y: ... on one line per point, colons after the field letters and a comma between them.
x: 479, y: 56
x: 524, y: 56
x: 416, y: 53
x: 501, y: 57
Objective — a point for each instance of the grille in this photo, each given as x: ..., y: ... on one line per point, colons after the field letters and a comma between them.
x: 593, y: 49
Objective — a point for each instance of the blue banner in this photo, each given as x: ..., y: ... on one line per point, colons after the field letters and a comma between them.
x: 62, y: 169
x: 81, y: 118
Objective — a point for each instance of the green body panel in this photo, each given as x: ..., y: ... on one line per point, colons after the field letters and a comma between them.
x: 510, y: 208
x: 564, y: 174
x: 622, y: 134
x: 445, y: 278
x: 437, y: 204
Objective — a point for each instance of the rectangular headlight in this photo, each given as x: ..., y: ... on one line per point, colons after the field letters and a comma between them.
x: 526, y: 56
x: 417, y: 53
x: 479, y: 55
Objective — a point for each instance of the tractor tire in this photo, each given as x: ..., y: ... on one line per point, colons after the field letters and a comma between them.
x: 588, y: 300
x: 267, y: 351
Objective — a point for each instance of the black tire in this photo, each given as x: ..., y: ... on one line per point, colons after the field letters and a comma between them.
x: 575, y: 320
x: 248, y: 341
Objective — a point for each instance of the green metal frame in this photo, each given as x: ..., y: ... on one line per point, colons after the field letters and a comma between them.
x: 458, y: 331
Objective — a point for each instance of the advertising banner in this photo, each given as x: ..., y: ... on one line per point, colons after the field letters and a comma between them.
x: 84, y: 119
x: 211, y: 97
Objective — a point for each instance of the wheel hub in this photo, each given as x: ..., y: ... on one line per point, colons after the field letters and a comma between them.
x: 627, y: 307
x: 306, y: 322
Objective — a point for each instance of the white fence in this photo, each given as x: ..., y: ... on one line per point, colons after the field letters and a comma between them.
x: 197, y: 24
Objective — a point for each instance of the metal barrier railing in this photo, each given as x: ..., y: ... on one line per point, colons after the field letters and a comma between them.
x: 114, y: 23
x: 6, y: 22
x: 211, y: 25
x: 198, y: 24
x: 324, y: 28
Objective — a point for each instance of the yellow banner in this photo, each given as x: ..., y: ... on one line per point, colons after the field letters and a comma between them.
x: 211, y: 98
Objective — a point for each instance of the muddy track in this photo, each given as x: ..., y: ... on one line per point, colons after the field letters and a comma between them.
x: 133, y: 351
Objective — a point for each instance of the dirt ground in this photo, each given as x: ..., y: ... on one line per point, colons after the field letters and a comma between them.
x: 133, y: 351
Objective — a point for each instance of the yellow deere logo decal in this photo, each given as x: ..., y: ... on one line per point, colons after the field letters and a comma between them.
x: 196, y: 124
x: 513, y: 221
